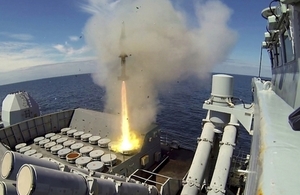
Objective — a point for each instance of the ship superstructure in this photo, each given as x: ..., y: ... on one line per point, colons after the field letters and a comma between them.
x: 17, y: 107
x: 72, y: 152
x: 275, y: 148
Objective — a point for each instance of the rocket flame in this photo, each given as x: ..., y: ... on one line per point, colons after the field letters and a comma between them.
x: 125, y: 120
x: 129, y: 141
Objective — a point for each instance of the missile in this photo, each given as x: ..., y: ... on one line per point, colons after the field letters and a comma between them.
x: 123, y: 76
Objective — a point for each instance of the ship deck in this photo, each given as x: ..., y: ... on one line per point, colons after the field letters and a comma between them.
x: 275, y: 146
x: 179, y: 161
x: 158, y: 164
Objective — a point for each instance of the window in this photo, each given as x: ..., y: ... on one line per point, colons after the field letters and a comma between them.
x: 276, y: 58
x: 288, y: 48
x: 277, y: 55
x: 270, y: 52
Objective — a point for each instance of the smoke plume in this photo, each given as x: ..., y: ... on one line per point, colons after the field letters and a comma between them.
x: 161, y: 46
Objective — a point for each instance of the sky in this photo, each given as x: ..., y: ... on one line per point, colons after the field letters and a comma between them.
x: 40, y: 39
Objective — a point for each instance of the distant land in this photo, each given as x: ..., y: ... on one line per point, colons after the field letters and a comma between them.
x: 86, y: 67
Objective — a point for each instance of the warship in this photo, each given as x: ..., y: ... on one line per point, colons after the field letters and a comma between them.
x: 79, y: 151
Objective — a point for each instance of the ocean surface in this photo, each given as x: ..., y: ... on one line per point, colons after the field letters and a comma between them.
x: 180, y: 115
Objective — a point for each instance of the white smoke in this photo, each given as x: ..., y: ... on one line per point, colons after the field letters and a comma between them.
x: 160, y: 45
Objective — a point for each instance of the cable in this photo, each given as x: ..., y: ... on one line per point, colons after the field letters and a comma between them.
x: 244, y: 105
x: 271, y: 10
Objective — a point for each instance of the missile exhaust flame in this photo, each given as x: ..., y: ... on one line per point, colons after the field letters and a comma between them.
x: 126, y: 145
x: 129, y: 142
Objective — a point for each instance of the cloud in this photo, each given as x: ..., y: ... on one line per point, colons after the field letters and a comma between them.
x: 60, y: 48
x: 20, y: 37
x: 74, y: 38
x: 20, y: 51
x: 16, y: 55
x: 97, y: 6
x: 68, y: 50
x: 161, y: 46
x: 45, y: 71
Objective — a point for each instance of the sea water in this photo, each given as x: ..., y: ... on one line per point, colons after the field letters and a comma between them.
x: 180, y: 110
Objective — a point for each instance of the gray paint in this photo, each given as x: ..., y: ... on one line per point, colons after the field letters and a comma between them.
x: 26, y: 131
x: 17, y: 107
x: 274, y: 167
x: 221, y: 171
